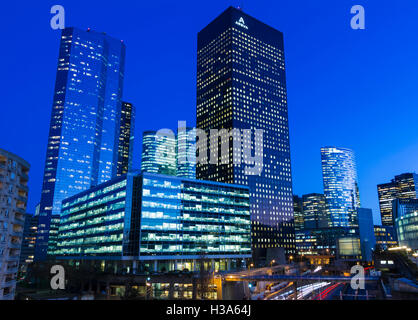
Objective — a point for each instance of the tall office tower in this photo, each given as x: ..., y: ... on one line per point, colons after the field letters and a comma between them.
x: 341, y: 191
x: 27, y: 253
x: 13, y: 198
x: 186, y: 153
x: 298, y: 213
x: 126, y: 138
x: 404, y: 186
x: 84, y: 129
x: 159, y: 153
x: 314, y: 211
x: 241, y: 85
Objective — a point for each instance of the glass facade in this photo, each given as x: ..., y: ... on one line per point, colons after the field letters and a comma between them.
x: 339, y: 242
x: 298, y: 213
x: 314, y: 211
x: 156, y: 217
x: 385, y: 237
x: 405, y: 214
x: 404, y: 186
x: 186, y: 153
x: 84, y: 131
x: 92, y: 222
x: 366, y: 231
x: 190, y: 218
x: 126, y: 138
x: 241, y: 84
x: 27, y: 253
x: 340, y: 186
x: 159, y: 153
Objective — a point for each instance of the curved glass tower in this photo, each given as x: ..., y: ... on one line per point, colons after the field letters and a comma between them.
x: 341, y: 191
x: 84, y: 130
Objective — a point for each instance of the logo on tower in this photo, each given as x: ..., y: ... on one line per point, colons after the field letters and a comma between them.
x: 241, y: 23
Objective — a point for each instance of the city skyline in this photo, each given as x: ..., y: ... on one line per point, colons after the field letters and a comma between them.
x: 305, y: 159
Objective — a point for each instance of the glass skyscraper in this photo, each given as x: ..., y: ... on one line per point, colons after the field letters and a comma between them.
x: 341, y: 191
x: 126, y: 138
x: 241, y: 84
x: 403, y: 186
x: 159, y: 153
x: 186, y: 153
x: 84, y: 130
x: 298, y: 213
x: 314, y: 211
x: 164, y: 152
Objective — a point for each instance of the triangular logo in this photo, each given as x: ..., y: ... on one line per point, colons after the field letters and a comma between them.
x: 240, y: 22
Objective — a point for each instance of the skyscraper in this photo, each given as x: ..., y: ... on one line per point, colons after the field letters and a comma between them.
x: 84, y: 129
x: 341, y: 191
x: 27, y: 253
x: 13, y: 198
x: 186, y: 153
x: 159, y: 152
x: 298, y: 213
x: 314, y: 211
x: 241, y: 85
x: 126, y: 138
x: 403, y: 186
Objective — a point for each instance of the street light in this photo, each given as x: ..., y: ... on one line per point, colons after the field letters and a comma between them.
x: 251, y: 265
x: 271, y: 263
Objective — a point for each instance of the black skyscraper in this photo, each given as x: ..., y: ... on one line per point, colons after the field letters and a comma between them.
x: 241, y: 84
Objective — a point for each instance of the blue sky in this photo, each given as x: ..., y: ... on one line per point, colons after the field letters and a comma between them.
x: 348, y: 88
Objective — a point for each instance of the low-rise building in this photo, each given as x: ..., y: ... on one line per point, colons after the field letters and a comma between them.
x: 157, y: 222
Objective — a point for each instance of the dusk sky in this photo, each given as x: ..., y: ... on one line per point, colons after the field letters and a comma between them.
x: 348, y: 88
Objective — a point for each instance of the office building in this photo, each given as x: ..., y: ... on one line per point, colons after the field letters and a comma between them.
x: 298, y: 213
x: 340, y: 186
x: 159, y: 152
x: 366, y: 232
x: 186, y: 153
x: 27, y: 252
x: 405, y: 215
x: 83, y: 140
x: 385, y: 237
x: 314, y: 211
x: 13, y: 198
x: 403, y: 186
x: 241, y: 88
x: 126, y: 138
x: 157, y: 222
x: 336, y: 242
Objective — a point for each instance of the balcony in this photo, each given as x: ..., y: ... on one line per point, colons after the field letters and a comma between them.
x: 8, y: 283
x: 21, y: 210
x: 24, y: 176
x: 9, y: 296
x: 19, y: 222
x: 12, y: 270
x: 13, y: 258
x: 15, y: 245
x: 16, y: 233
x: 21, y: 198
x: 23, y: 187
